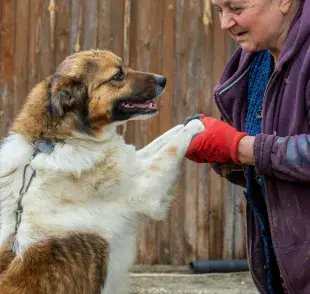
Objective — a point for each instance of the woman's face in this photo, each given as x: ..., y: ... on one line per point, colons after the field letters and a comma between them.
x: 254, y: 24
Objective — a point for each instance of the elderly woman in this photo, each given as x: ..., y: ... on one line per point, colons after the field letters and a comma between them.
x: 264, y: 100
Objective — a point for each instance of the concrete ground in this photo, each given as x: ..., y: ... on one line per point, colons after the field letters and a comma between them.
x: 187, y: 283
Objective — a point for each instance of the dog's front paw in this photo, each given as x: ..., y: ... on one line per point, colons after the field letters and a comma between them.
x: 194, y: 127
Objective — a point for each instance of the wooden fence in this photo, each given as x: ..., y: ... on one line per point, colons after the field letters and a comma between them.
x: 180, y: 39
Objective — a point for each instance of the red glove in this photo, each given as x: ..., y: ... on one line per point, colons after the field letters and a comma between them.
x: 217, y: 144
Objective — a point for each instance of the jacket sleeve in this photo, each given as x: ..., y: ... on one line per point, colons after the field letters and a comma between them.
x: 287, y: 158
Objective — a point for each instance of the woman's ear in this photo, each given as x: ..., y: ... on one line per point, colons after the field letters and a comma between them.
x: 285, y: 6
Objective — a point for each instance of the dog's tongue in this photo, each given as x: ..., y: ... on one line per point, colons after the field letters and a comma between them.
x: 141, y: 105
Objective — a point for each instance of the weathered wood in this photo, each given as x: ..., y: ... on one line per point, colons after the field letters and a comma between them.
x: 240, y: 225
x: 77, y: 25
x: 216, y: 183
x: 34, y: 48
x: 47, y: 59
x: 21, y: 66
x: 205, y: 107
x: 7, y: 48
x: 63, y: 30
x: 177, y: 245
x: 149, y: 50
x: 229, y: 200
x: 91, y: 24
x: 110, y: 34
x: 166, y: 114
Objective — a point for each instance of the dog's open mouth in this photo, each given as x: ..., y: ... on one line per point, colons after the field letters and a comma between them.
x: 141, y: 106
x: 140, y: 102
x: 126, y: 109
x: 134, y: 109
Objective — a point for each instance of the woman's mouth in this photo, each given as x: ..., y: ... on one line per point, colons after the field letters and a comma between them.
x: 240, y: 35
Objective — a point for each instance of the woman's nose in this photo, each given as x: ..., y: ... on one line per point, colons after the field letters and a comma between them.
x: 227, y: 21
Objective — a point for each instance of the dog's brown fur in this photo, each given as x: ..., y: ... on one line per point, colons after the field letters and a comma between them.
x: 77, y: 261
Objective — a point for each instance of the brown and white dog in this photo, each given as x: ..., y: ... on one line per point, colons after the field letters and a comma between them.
x: 80, y: 214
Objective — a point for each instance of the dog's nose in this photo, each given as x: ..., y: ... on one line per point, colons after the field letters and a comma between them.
x: 160, y: 80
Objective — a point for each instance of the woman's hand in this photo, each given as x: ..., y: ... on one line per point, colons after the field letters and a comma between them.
x: 218, y: 143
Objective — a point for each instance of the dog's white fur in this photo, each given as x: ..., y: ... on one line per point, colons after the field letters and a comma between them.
x: 101, y: 186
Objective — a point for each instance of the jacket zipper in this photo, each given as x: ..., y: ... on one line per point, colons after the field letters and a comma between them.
x: 272, y: 76
x: 229, y: 87
x: 234, y: 82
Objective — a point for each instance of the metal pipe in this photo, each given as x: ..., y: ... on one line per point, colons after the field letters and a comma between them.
x: 218, y: 266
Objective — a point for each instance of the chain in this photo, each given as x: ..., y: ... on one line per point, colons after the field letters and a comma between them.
x: 22, y: 192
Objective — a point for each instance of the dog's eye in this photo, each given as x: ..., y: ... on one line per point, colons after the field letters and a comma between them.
x: 119, y: 76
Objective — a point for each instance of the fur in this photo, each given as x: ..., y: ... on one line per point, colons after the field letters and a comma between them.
x: 82, y: 210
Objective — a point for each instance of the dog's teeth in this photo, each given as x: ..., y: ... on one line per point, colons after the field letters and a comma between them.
x: 127, y: 105
x: 145, y: 105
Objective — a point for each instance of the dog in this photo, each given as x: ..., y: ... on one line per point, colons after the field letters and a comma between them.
x: 72, y: 191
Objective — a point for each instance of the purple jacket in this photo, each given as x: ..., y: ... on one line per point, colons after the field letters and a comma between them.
x: 282, y: 153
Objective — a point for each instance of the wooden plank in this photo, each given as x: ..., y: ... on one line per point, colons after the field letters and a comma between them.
x: 189, y: 70
x: 110, y: 34
x: 117, y: 27
x: 177, y: 248
x: 47, y: 56
x: 91, y: 24
x: 240, y: 225
x: 21, y: 70
x: 149, y: 59
x: 127, y: 21
x: 7, y: 63
x: 140, y: 129
x: 205, y: 106
x: 166, y: 114
x: 216, y: 189
x: 203, y: 208
x: 34, y: 34
x: 104, y: 24
x: 63, y: 30
x: 77, y: 32
x: 228, y: 220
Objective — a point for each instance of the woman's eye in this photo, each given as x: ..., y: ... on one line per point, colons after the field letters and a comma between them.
x: 119, y: 76
x: 219, y: 10
x: 236, y: 9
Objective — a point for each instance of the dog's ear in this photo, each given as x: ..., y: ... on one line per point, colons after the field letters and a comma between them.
x: 66, y: 94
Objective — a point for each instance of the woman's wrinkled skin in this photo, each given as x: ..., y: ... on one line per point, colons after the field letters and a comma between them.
x: 257, y: 24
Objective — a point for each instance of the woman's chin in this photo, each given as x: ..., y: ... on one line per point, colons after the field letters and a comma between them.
x: 248, y: 47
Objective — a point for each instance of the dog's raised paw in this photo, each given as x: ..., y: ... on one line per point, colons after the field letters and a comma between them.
x: 195, y: 126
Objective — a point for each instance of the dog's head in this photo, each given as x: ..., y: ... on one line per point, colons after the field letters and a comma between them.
x: 91, y: 90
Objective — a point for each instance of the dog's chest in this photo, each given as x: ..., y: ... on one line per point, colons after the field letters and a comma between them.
x: 96, y: 199
x: 103, y: 180
x: 106, y: 177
